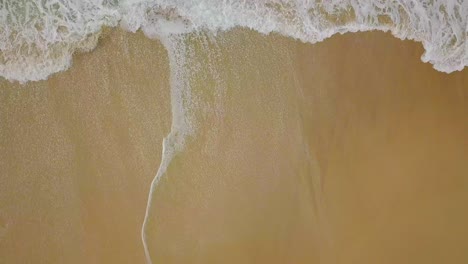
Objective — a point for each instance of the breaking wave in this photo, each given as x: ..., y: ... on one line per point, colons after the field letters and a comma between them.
x: 39, y: 37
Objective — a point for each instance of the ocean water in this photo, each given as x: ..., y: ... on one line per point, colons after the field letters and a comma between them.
x: 38, y: 38
x: 260, y: 142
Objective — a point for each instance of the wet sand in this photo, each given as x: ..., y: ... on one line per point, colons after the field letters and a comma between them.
x: 346, y: 151
x: 78, y: 153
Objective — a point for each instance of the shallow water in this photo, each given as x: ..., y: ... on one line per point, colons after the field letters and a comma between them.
x: 347, y: 151
x: 78, y: 153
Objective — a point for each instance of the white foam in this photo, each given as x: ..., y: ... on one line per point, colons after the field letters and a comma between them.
x: 38, y: 37
x: 440, y: 25
x: 182, y: 121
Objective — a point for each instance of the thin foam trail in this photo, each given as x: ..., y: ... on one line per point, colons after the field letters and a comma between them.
x: 181, y: 125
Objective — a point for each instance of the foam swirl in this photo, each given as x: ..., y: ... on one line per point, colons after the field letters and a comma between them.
x: 38, y: 37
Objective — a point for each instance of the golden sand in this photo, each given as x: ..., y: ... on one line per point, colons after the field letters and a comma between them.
x: 346, y: 151
x: 78, y: 153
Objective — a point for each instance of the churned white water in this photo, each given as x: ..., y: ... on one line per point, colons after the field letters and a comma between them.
x: 38, y: 37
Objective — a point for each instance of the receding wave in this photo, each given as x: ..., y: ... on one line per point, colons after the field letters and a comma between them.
x: 39, y: 37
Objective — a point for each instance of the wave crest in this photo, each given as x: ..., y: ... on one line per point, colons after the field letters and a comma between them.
x: 38, y: 37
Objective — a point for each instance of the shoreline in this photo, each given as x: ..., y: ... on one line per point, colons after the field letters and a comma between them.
x: 306, y: 153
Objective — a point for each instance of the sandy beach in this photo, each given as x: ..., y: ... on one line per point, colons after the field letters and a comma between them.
x: 351, y: 150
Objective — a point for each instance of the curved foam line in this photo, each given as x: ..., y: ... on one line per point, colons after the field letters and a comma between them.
x: 38, y: 37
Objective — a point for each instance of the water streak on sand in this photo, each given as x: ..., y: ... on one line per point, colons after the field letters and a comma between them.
x: 181, y: 125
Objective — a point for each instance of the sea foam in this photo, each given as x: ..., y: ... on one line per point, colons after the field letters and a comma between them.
x: 39, y: 37
x: 442, y: 33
